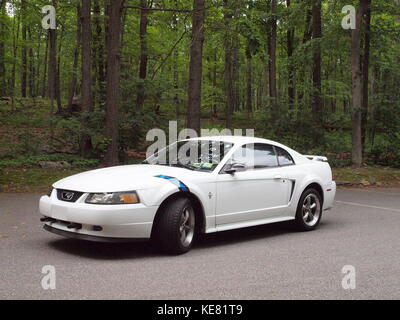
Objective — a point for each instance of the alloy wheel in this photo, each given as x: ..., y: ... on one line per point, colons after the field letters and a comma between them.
x: 311, y: 210
x: 186, y: 228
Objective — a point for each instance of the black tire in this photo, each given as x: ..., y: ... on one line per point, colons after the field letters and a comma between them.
x: 169, y: 233
x: 311, y: 221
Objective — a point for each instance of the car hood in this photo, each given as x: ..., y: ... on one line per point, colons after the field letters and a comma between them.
x: 126, y: 178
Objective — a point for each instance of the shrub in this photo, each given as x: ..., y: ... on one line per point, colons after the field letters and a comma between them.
x: 33, y: 161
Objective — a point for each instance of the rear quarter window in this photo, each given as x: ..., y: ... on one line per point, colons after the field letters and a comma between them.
x: 284, y: 158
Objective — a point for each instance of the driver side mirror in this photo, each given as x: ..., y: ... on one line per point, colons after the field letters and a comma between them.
x: 235, y: 167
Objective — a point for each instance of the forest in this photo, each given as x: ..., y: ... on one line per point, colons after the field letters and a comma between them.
x: 88, y: 90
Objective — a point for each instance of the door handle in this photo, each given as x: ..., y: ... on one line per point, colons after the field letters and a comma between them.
x: 278, y: 177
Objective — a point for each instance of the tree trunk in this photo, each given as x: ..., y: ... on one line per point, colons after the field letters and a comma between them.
x: 317, y: 108
x: 317, y: 34
x: 3, y: 82
x: 45, y: 64
x: 235, y: 74
x: 31, y: 67
x: 365, y: 71
x: 58, y: 79
x: 52, y: 67
x: 290, y: 42
x: 306, y: 37
x: 229, y: 89
x: 308, y: 28
x: 175, y: 66
x: 272, y: 37
x: 99, y: 52
x: 196, y: 66
x: 249, y: 80
x: 376, y: 73
x: 87, y: 94
x: 113, y: 95
x: 74, y: 79
x: 37, y: 78
x: 143, y: 56
x: 357, y: 87
x: 53, y: 78
x: 24, y: 51
x: 15, y: 58
x: 214, y: 82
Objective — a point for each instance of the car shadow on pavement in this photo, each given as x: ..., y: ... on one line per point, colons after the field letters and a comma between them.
x: 139, y: 250
x: 120, y: 251
x: 243, y: 235
x: 105, y: 251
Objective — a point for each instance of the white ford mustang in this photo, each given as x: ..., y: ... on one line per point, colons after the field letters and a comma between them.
x: 201, y: 185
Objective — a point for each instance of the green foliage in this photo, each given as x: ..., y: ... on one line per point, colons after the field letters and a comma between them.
x: 74, y: 128
x: 30, y: 132
x: 33, y: 161
x: 386, y: 155
x: 374, y: 174
x: 28, y: 143
x: 31, y: 179
x: 133, y: 129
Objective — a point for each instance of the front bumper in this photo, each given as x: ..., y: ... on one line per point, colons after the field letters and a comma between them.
x: 97, y: 222
x: 81, y: 236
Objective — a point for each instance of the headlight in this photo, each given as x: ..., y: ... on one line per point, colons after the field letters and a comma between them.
x: 130, y: 197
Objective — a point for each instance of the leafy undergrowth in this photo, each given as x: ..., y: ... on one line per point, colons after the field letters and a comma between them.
x: 31, y: 179
x: 34, y: 161
x: 38, y: 180
x: 367, y: 176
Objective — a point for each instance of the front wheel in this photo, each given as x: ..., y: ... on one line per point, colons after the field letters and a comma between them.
x: 176, y: 227
x: 309, y: 210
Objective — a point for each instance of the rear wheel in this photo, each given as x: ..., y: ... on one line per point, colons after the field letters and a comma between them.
x: 176, y: 227
x: 309, y: 210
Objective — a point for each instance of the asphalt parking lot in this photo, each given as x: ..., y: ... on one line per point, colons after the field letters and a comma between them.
x: 268, y: 262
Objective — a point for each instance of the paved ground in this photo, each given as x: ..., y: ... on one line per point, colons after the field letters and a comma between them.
x: 269, y: 262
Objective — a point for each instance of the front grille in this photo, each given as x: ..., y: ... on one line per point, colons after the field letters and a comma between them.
x: 68, y: 195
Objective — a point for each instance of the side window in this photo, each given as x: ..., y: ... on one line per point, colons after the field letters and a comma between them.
x: 256, y: 156
x: 284, y: 158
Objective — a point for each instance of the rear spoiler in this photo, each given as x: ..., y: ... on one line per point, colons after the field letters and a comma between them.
x: 317, y: 158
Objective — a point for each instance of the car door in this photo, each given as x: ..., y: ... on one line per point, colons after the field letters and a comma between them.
x: 260, y: 191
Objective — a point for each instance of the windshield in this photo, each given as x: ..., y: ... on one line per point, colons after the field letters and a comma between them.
x: 200, y: 155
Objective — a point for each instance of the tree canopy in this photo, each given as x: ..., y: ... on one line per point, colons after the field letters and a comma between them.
x: 112, y: 70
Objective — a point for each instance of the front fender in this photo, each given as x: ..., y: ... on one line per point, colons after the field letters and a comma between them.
x: 204, y: 192
x: 156, y: 196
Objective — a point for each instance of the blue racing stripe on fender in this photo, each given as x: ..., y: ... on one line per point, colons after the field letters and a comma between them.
x: 175, y: 181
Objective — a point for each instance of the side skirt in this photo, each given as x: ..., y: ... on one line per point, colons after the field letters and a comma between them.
x: 246, y: 224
